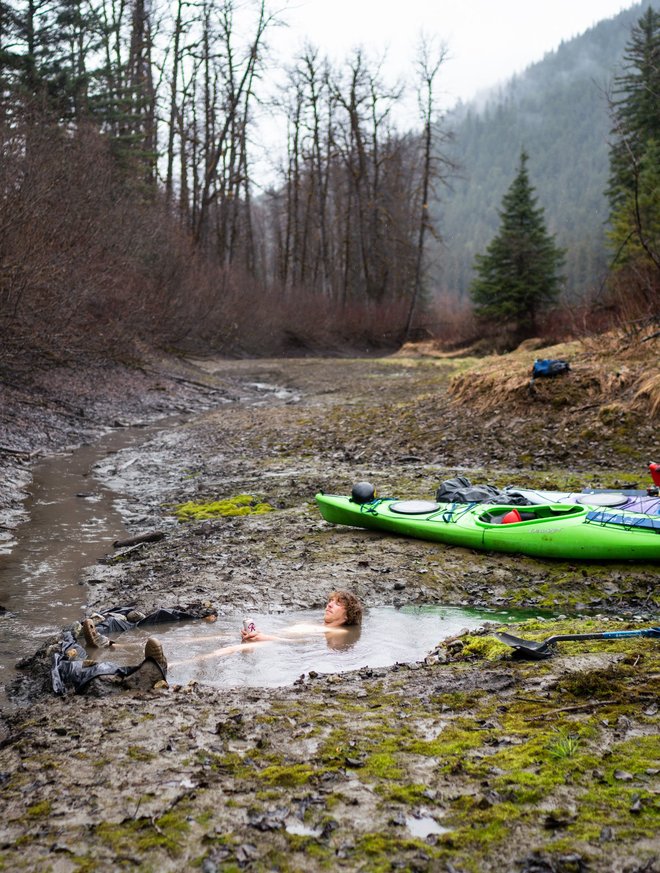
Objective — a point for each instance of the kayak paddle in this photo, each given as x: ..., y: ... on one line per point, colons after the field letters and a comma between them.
x: 543, y: 649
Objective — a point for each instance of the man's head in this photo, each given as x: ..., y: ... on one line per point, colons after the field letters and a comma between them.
x: 344, y: 609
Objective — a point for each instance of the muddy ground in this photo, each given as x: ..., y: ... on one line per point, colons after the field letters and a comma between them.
x: 467, y: 761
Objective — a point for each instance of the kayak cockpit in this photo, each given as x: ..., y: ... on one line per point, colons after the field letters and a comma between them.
x: 517, y: 515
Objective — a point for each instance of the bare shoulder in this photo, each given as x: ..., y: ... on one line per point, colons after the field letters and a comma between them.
x: 305, y: 628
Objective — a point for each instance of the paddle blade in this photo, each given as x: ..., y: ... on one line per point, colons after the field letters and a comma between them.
x: 526, y: 648
x: 517, y: 643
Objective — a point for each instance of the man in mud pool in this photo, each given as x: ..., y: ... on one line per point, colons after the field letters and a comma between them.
x: 343, y: 611
x: 341, y: 619
x: 341, y: 624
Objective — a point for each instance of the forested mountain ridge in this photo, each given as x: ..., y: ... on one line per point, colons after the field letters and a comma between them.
x: 557, y: 110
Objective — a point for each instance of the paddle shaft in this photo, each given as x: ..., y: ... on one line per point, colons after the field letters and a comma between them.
x: 605, y: 635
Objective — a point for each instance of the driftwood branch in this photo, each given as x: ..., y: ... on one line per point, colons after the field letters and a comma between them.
x: 20, y: 453
x: 576, y: 708
x: 151, y: 537
x: 184, y: 380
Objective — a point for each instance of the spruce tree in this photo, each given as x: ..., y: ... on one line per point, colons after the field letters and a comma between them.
x: 517, y: 277
x: 635, y: 106
x: 633, y: 193
x: 635, y: 223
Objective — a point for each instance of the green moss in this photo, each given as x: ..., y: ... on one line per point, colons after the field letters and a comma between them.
x: 546, y: 755
x: 242, y: 504
x: 481, y: 828
x: 380, y: 848
x: 289, y: 776
x: 205, y: 817
x: 309, y: 846
x: 597, y: 684
x: 231, y: 763
x: 85, y: 863
x: 138, y: 753
x: 382, y: 765
x: 452, y: 743
x: 486, y: 648
x: 142, y: 835
x: 410, y: 794
x: 39, y: 810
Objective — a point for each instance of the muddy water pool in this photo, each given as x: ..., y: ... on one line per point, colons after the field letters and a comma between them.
x: 71, y: 522
x: 212, y: 654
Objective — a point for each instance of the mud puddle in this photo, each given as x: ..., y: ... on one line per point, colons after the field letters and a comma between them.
x: 72, y: 520
x: 212, y: 654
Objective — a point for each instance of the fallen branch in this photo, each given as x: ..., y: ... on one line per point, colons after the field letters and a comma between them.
x: 19, y: 452
x: 575, y: 708
x: 185, y: 380
x: 151, y: 537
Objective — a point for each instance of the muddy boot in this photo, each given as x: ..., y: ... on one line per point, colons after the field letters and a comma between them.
x: 103, y: 686
x: 135, y: 616
x: 92, y: 636
x: 154, y: 650
x: 152, y: 671
x: 145, y: 677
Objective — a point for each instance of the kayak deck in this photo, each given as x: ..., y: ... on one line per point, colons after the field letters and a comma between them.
x: 544, y: 530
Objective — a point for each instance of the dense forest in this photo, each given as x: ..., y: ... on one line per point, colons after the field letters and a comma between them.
x: 131, y: 213
x: 558, y: 110
x: 129, y: 208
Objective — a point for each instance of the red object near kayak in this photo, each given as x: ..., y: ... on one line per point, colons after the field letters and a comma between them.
x: 655, y: 473
x: 511, y: 517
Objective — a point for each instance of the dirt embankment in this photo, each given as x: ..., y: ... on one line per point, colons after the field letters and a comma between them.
x: 468, y: 761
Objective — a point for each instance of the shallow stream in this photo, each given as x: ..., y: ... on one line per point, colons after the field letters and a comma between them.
x: 71, y: 522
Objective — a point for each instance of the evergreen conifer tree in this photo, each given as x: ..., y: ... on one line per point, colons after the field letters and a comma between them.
x: 636, y: 106
x: 633, y: 193
x: 517, y: 277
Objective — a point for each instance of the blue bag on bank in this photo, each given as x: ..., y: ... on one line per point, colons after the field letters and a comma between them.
x: 548, y: 367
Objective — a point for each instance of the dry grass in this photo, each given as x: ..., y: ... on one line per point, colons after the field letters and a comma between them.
x: 606, y: 371
x: 647, y: 395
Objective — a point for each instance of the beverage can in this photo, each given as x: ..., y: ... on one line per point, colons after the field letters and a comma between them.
x: 248, y: 626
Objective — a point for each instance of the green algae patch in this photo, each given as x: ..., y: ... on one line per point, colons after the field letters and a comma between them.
x: 378, y: 849
x: 166, y: 832
x: 39, y: 810
x: 242, y: 504
x: 383, y: 765
x: 290, y: 776
x: 623, y: 794
x: 409, y: 794
x: 482, y: 648
x: 138, y: 753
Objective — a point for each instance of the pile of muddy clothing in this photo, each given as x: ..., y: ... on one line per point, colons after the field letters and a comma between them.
x: 461, y: 490
x: 71, y: 667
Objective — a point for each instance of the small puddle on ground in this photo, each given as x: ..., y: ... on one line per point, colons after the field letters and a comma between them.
x: 423, y: 826
x: 300, y: 829
x: 212, y: 654
x: 71, y: 523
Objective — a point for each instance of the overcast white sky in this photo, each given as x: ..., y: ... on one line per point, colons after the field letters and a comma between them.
x: 487, y: 40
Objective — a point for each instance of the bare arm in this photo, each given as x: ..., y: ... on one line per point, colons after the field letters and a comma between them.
x: 258, y: 637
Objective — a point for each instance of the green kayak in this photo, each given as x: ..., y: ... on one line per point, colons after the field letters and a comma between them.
x: 549, y: 531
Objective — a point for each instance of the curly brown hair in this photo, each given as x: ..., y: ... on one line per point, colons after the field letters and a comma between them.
x: 351, y: 604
